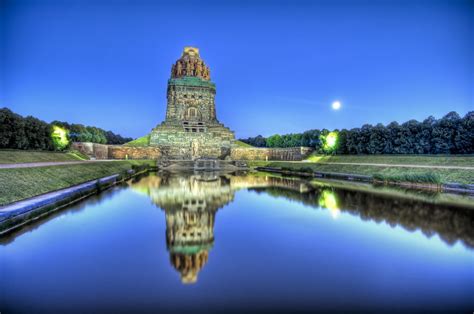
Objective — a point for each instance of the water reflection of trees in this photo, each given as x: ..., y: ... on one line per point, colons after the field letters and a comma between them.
x: 191, y: 201
x: 452, y: 224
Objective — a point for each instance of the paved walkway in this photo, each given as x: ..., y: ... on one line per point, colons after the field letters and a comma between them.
x: 59, y: 163
x: 398, y: 165
x: 48, y: 163
x: 386, y: 165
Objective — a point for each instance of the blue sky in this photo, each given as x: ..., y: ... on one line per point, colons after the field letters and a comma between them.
x: 277, y: 65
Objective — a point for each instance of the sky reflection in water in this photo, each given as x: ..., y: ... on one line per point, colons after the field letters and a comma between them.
x: 196, y: 242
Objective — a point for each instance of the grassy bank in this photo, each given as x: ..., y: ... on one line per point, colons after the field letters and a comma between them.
x: 242, y: 144
x: 408, y: 174
x: 439, y: 160
x: 140, y: 142
x: 21, y: 183
x: 8, y: 156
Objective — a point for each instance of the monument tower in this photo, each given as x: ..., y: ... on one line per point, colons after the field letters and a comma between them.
x: 191, y: 129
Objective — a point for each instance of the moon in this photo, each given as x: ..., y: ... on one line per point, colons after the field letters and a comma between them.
x: 336, y: 105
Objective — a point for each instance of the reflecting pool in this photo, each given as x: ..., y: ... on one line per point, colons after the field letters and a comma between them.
x: 211, y: 242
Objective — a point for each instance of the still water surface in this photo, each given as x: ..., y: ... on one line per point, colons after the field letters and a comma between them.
x: 214, y: 242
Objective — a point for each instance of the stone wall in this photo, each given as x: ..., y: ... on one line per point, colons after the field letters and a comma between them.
x: 98, y: 151
x: 125, y: 152
x: 84, y: 147
x: 101, y: 151
x: 256, y: 153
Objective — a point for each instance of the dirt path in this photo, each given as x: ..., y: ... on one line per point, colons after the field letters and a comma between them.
x: 47, y: 163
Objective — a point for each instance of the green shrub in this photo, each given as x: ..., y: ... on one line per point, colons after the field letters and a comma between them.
x: 140, y: 168
x: 306, y: 169
x: 428, y: 177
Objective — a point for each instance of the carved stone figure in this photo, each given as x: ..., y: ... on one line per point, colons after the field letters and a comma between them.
x: 189, y: 69
x: 190, y: 64
x: 206, y: 73
x: 179, y: 68
x: 194, y: 66
x: 199, y: 68
x: 194, y: 149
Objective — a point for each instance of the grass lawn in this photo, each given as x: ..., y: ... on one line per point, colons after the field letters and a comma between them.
x: 446, y: 175
x: 441, y: 160
x: 8, y: 156
x: 242, y: 144
x: 140, y: 142
x: 21, y: 183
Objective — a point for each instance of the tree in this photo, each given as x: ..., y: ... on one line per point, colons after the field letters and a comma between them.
x: 23, y: 133
x: 464, y: 135
x: 81, y: 133
x: 258, y: 141
x: 342, y: 142
x: 377, y: 139
x: 31, y: 133
x: 444, y: 132
x: 424, y: 135
x: 275, y: 141
x: 7, y: 118
x: 311, y: 139
x: 449, y: 135
x: 38, y: 134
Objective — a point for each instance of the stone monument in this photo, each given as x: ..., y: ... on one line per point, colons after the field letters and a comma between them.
x: 191, y: 129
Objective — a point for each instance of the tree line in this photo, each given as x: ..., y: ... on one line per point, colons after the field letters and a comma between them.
x: 449, y: 135
x: 81, y: 133
x: 18, y: 132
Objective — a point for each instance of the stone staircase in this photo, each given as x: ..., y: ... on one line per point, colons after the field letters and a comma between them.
x: 202, y: 164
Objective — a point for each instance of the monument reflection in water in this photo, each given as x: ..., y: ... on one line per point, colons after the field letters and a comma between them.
x: 192, y: 200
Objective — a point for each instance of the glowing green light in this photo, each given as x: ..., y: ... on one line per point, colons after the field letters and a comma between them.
x: 59, y: 136
x: 329, y: 141
x: 328, y: 200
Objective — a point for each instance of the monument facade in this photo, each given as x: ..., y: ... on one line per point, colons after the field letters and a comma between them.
x: 191, y: 136
x: 191, y: 129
